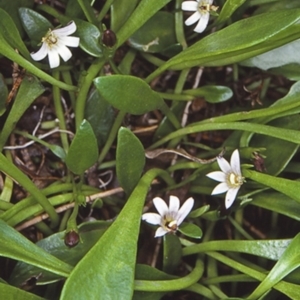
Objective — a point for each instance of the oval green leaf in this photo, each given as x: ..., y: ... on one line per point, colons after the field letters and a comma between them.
x: 190, y: 230
x: 211, y: 93
x: 83, y: 152
x: 89, y: 37
x: 100, y: 115
x: 156, y: 35
x: 35, y: 25
x: 128, y: 93
x: 130, y: 159
x: 10, y: 31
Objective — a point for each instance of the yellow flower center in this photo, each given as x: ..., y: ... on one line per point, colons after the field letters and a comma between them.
x: 234, y: 180
x: 50, y: 38
x: 172, y: 226
x: 206, y: 7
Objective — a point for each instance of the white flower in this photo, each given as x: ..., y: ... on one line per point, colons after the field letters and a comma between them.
x: 231, y: 178
x: 55, y: 44
x: 201, y: 10
x: 169, y: 218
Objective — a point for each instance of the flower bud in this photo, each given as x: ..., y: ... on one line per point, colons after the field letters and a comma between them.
x: 109, y: 38
x: 72, y: 239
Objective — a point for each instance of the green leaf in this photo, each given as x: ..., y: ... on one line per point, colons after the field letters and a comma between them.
x: 14, y: 245
x: 228, y: 45
x: 156, y: 35
x: 83, y: 152
x: 54, y: 245
x: 229, y: 7
x: 289, y: 261
x: 11, y: 33
x: 190, y: 230
x: 100, y: 115
x: 144, y: 11
x: 29, y: 90
x: 172, y: 284
x: 35, y: 25
x: 128, y: 93
x: 287, y: 149
x: 110, y: 264
x: 10, y: 293
x: 211, y: 93
x: 277, y: 202
x: 11, y: 8
x: 130, y: 159
x: 89, y: 37
x: 199, y: 212
x: 3, y: 95
x: 290, y: 71
x: 286, y: 186
x: 271, y: 249
x: 145, y: 272
x: 278, y: 57
x: 172, y: 253
x: 73, y: 10
x: 120, y: 13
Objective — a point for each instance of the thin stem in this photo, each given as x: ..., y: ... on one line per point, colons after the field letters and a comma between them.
x: 86, y: 83
x: 68, y: 80
x: 173, y: 284
x: 105, y: 9
x: 44, y: 228
x: 60, y: 113
x: 88, y: 12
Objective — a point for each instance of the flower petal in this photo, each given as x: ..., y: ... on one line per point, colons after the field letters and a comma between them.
x: 160, y: 232
x: 220, y: 188
x: 230, y: 197
x: 71, y: 41
x: 189, y: 6
x: 202, y: 24
x: 64, y: 52
x: 185, y: 210
x: 193, y: 18
x: 41, y: 54
x: 67, y: 30
x: 152, y: 218
x: 235, y: 162
x: 53, y: 58
x: 160, y: 206
x: 224, y: 164
x: 217, y: 175
x: 210, y: 2
x: 174, y: 204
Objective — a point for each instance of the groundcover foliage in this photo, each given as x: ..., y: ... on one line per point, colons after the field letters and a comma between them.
x: 149, y: 149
